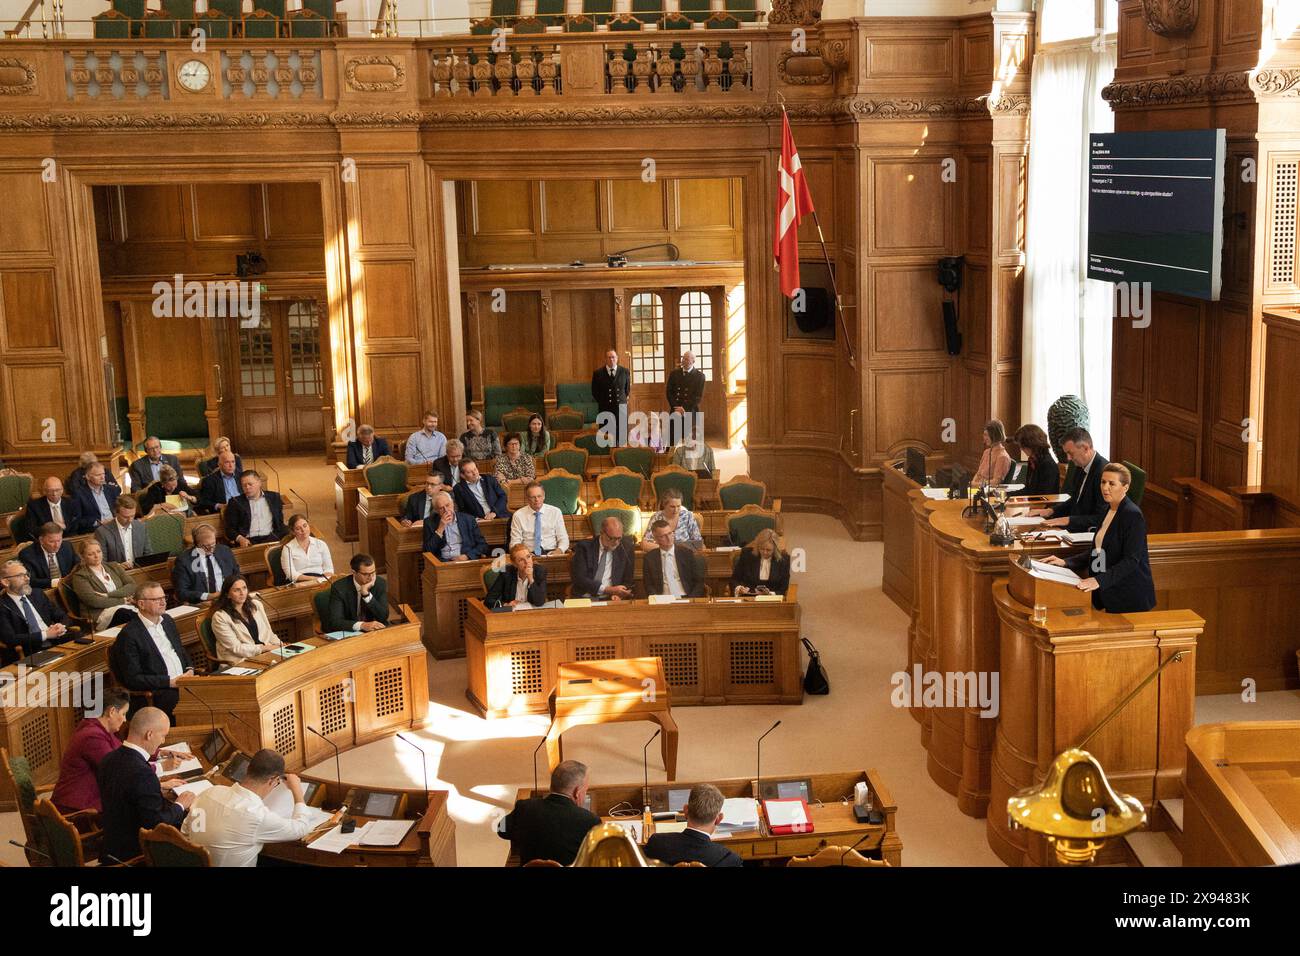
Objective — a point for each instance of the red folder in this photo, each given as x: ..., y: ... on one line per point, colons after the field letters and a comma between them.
x: 783, y: 807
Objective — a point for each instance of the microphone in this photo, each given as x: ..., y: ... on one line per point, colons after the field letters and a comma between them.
x: 348, y: 823
x: 423, y: 759
x: 535, y: 749
x: 759, y: 781
x: 212, y: 714
x: 844, y: 855
x: 645, y: 764
x: 31, y: 849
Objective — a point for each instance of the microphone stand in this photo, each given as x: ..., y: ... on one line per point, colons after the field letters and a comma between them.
x: 424, y: 759
x: 212, y: 714
x: 348, y: 824
x: 645, y: 764
x: 758, y: 784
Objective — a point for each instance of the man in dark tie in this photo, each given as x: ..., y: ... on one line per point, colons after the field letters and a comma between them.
x: 479, y: 495
x: 685, y: 391
x: 148, y: 655
x: 199, y: 572
x: 552, y: 827
x: 604, y: 566
x: 145, y: 471
x: 358, y: 602
x: 695, y: 843
x: 367, y: 449
x: 49, y: 558
x: 28, y: 621
x: 672, y: 568
x: 52, y: 507
x: 1086, y: 507
x: 131, y: 792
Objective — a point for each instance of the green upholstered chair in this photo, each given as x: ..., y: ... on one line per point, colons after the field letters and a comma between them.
x: 111, y: 25
x: 18, y: 530
x: 182, y: 11
x: 740, y: 491
x: 697, y: 11
x: 745, y: 524
x: 503, y: 8
x: 591, y: 442
x: 490, y: 575
x: 308, y: 24
x: 273, y: 566
x: 517, y: 420
x: 159, y: 25
x: 628, y: 514
x: 637, y: 458
x: 745, y: 11
x: 260, y: 25
x: 321, y: 602
x: 328, y: 9
x: 178, y: 418
x: 579, y: 24
x: 598, y: 10
x: 565, y: 418
x: 228, y: 8
x: 577, y: 395
x: 62, y: 841
x: 387, y: 476
x: 166, y: 533
x: 1138, y: 486
x: 16, y: 772
x: 276, y: 8
x: 500, y: 399
x: 621, y: 483
x: 526, y: 25
x: 550, y: 12
x: 678, y: 479
x: 479, y: 28
x: 676, y: 21
x: 15, y: 492
x: 135, y: 9
x: 209, y: 642
x: 624, y: 21
x: 164, y: 845
x: 722, y: 21
x: 563, y: 489
x: 567, y: 457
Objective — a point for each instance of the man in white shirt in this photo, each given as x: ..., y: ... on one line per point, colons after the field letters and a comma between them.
x: 256, y: 516
x: 124, y: 539
x: 427, y: 445
x: 539, y: 526
x: 234, y: 823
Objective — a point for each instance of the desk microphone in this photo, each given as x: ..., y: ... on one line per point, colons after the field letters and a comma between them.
x: 844, y: 855
x: 535, y: 749
x: 759, y: 774
x: 645, y: 763
x: 31, y: 849
x: 348, y: 824
x: 424, y: 759
x: 212, y: 714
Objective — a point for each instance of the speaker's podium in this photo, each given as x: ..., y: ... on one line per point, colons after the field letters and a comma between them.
x: 1064, y: 667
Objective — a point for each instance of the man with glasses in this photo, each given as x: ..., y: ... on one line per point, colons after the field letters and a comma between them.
x: 28, y: 621
x: 358, y: 602
x: 147, y: 655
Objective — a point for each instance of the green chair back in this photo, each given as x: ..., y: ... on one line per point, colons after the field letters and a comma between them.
x: 179, y: 418
x: 490, y: 575
x: 20, y: 770
x: 567, y: 457
x: 628, y: 514
x: 598, y: 10
x: 135, y: 9
x: 622, y: 483
x: 745, y: 525
x: 504, y: 8
x: 1137, y: 488
x: 550, y: 12
x: 722, y: 21
x: 675, y: 21
x: 387, y: 476
x: 579, y: 24
x: 624, y: 22
x: 165, y: 846
x: 306, y: 23
x: 321, y: 602
x: 182, y: 10
x: 18, y: 530
x: 62, y: 841
x: 112, y: 25
x: 565, y: 418
x: 638, y: 459
x: 590, y: 442
x: 324, y: 8
x: 274, y: 566
x: 161, y: 27
x: 529, y: 25
x: 209, y: 642
x: 15, y: 492
x: 695, y: 10
x: 516, y: 421
x: 165, y: 532
x: 277, y: 8
x: 563, y: 489
x: 261, y: 25
x: 678, y: 479
x: 228, y: 8
x: 740, y: 491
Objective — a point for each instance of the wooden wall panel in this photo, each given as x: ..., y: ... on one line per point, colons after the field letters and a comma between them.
x: 387, y: 406
x: 501, y: 208
x: 805, y: 406
x: 384, y: 222
x: 820, y: 174
x: 510, y: 342
x: 909, y: 57
x: 30, y: 230
x: 973, y: 318
x: 704, y: 204
x: 29, y: 309
x: 154, y: 213
x: 1175, y: 345
x: 293, y: 211
x: 635, y: 206
x: 584, y: 328
x: 976, y: 219
x: 35, y: 393
x: 908, y: 405
x: 907, y: 304
x: 388, y: 295
x: 570, y: 206
x: 225, y: 211
x: 1170, y: 454
x: 907, y: 217
x: 1281, y: 434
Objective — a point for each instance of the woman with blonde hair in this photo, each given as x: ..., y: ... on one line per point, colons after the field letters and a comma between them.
x: 304, y: 558
x: 761, y: 567
x: 480, y: 442
x: 102, y: 587
x: 680, y: 522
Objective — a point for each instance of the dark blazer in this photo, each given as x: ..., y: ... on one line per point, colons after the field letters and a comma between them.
x: 450, y: 475
x: 212, y: 491
x: 111, y: 541
x: 502, y: 590
x: 608, y: 392
x: 745, y: 571
x: 154, y: 495
x: 13, y: 625
x: 132, y: 800
x: 137, y: 665
x: 343, y: 601
x: 379, y: 450
x: 190, y: 582
x: 1043, y: 476
x: 77, y: 479
x: 414, y: 510
x: 492, y: 491
x: 689, y: 846
x: 472, y: 544
x: 688, y: 569
x: 1125, y: 585
x: 685, y: 389
x: 1085, y: 502
x: 547, y: 828
x: 89, y: 509
x: 38, y: 513
x: 33, y: 558
x: 586, y: 559
x: 209, y: 465
x: 238, y: 516
x: 142, y: 473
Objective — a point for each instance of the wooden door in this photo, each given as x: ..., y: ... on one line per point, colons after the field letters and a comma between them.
x: 281, y: 383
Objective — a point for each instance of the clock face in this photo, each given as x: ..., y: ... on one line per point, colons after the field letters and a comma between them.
x: 194, y: 75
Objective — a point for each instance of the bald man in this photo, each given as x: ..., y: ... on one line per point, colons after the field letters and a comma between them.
x: 130, y: 790
x: 603, y: 567
x: 219, y: 486
x: 53, y: 507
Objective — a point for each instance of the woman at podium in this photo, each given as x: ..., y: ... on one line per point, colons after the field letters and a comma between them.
x: 1118, y: 569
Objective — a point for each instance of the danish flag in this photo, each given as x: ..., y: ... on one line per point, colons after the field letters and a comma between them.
x: 793, y: 202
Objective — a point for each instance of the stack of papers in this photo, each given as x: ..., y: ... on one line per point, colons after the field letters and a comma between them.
x: 239, y: 672
x: 340, y: 635
x: 786, y: 813
x: 666, y: 599
x: 739, y: 813
x: 1023, y: 521
x: 1050, y: 572
x: 386, y: 832
x: 181, y: 611
x: 187, y: 764
x: 935, y: 494
x: 197, y: 787
x: 336, y: 841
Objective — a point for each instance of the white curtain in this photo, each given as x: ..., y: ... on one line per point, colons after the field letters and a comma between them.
x: 1067, y: 332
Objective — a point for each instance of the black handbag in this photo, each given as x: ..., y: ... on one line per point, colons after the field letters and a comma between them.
x: 815, y: 680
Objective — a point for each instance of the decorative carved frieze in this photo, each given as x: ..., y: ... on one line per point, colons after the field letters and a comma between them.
x: 17, y: 77
x: 374, y: 74
x: 1171, y: 18
x: 1178, y: 89
x: 805, y: 13
x: 1276, y: 82
x: 804, y: 69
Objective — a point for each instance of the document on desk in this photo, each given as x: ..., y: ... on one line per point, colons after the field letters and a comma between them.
x: 280, y: 802
x: 633, y: 828
x: 341, y: 635
x: 292, y: 650
x: 197, y: 787
x: 336, y: 841
x: 935, y: 494
x: 1051, y: 572
x: 174, y: 767
x: 666, y: 599
x: 240, y: 672
x: 670, y: 826
x: 739, y: 813
x: 387, y: 832
x: 1024, y: 521
x: 182, y: 610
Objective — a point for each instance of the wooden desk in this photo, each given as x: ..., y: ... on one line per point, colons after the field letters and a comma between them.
x: 833, y: 821
x: 607, y: 692
x: 705, y: 497
x: 448, y: 586
x: 348, y: 484
x: 745, y: 652
x: 353, y: 691
x: 1242, y: 800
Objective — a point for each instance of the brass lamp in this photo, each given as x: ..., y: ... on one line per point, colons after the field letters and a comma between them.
x: 608, y: 844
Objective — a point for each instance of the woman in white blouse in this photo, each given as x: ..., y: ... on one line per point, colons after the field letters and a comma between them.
x: 303, y: 558
x: 240, y: 626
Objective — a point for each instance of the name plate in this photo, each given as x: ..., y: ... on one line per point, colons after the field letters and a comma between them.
x: 577, y: 602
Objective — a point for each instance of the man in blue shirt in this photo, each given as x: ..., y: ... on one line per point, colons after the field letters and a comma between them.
x: 452, y: 535
x: 479, y: 495
x: 427, y: 445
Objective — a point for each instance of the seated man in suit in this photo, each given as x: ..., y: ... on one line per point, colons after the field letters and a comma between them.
x: 367, y: 448
x: 125, y: 538
x: 452, y: 535
x: 552, y: 827
x: 220, y: 485
x: 28, y: 621
x: 145, y: 471
x: 131, y: 792
x: 695, y: 843
x: 539, y: 526
x: 1085, y: 507
x: 521, y: 582
x: 358, y: 602
x: 419, y: 504
x: 603, y: 566
x: 77, y: 478
x: 49, y: 558
x: 199, y: 572
x: 148, y: 655
x: 671, y: 568
x: 449, y: 464
x: 96, y: 498
x: 254, y: 517
x: 479, y: 495
x: 53, y: 507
